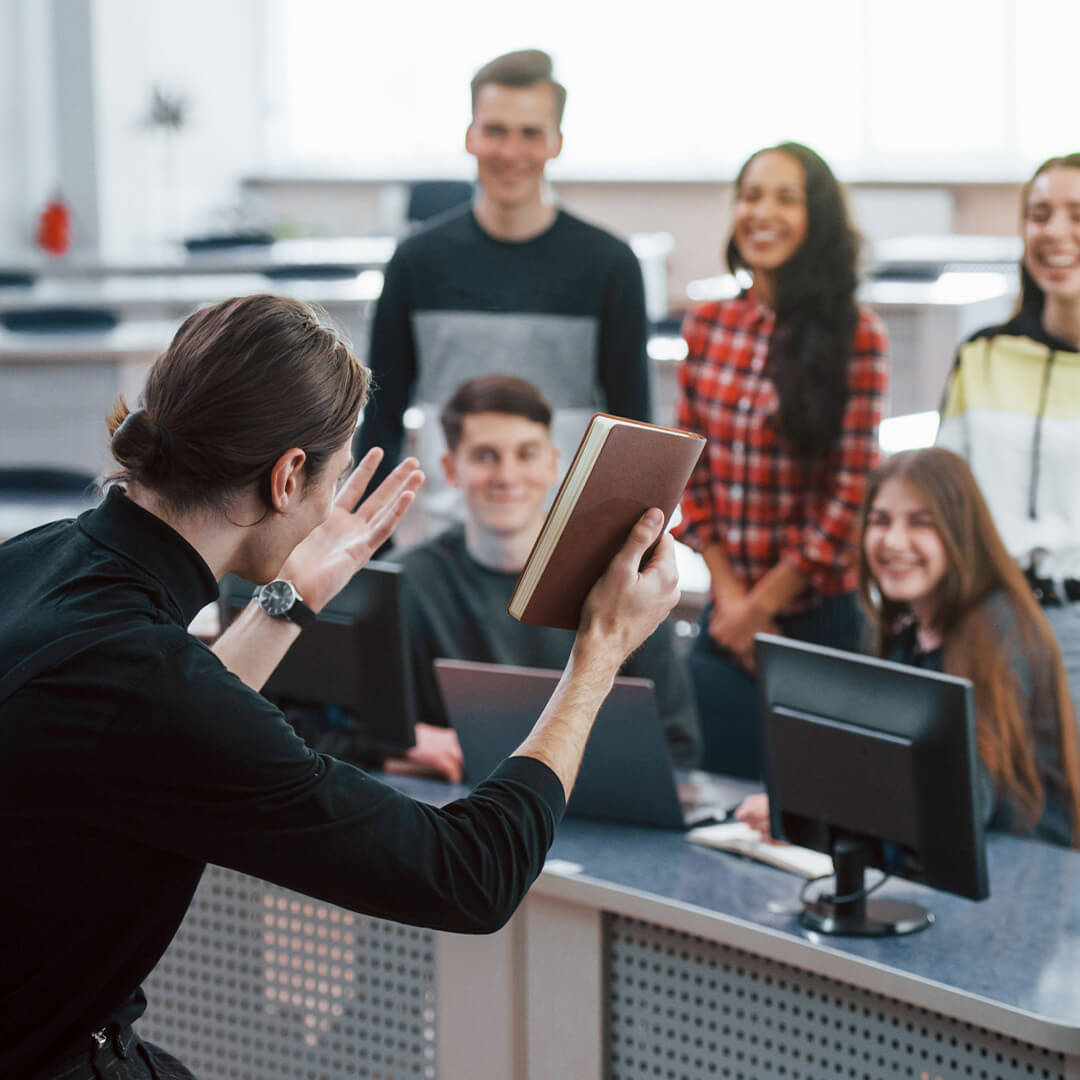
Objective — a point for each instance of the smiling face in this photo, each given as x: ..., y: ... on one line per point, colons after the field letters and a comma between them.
x: 903, y: 547
x: 770, y: 220
x: 1052, y: 233
x: 513, y: 135
x: 504, y: 465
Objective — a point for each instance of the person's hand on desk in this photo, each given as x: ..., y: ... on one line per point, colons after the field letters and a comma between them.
x: 323, y: 564
x: 437, y: 753
x: 754, y: 811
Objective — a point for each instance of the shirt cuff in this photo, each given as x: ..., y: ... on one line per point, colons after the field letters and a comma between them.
x: 696, y: 535
x: 536, y: 776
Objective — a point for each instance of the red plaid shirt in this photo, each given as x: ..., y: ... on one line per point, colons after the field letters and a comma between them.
x: 748, y: 493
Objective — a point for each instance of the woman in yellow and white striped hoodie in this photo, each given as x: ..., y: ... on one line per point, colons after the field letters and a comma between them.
x: 1012, y: 405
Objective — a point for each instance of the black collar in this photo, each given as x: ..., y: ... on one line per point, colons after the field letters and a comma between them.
x: 1029, y: 324
x: 127, y: 529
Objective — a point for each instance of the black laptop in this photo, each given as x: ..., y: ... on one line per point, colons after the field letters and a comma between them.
x: 626, y: 775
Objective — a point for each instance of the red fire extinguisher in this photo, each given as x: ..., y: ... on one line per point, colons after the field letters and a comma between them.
x: 54, y: 227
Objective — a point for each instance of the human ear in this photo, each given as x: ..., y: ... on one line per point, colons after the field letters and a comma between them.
x: 286, y: 478
x: 553, y: 465
x: 449, y: 469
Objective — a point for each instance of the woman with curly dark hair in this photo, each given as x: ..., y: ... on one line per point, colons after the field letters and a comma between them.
x: 787, y: 381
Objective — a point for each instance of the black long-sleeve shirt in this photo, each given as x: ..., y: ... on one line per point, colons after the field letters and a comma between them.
x: 129, y: 766
x: 565, y: 310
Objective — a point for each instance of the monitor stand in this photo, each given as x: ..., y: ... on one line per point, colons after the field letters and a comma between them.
x: 862, y: 916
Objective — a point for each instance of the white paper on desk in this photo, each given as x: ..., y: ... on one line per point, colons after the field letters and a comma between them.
x: 739, y: 838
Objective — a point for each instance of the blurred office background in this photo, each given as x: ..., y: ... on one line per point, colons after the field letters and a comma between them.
x: 309, y: 113
x: 159, y: 121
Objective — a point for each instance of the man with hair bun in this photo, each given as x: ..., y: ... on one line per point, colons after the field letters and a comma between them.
x: 131, y: 754
x: 509, y: 285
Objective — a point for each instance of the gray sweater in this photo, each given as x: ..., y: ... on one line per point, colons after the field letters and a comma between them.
x: 1035, y: 684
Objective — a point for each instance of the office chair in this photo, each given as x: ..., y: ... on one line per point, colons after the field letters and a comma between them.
x: 15, y: 279
x: 311, y: 272
x: 21, y: 480
x: 58, y: 320
x: 429, y: 198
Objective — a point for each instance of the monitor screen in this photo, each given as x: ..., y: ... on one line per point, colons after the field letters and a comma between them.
x: 353, y: 657
x: 875, y: 763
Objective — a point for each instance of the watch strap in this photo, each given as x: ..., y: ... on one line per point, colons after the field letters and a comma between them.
x: 301, y: 614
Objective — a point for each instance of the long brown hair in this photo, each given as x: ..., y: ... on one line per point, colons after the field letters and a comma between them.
x: 242, y: 382
x: 977, y: 565
x: 1032, y: 298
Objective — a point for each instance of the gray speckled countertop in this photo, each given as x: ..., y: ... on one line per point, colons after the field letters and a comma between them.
x: 1018, y: 951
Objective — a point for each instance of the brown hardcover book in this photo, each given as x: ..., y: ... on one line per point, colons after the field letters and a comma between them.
x: 620, y: 470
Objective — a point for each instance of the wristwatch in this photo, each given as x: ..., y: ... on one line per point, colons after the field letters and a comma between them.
x: 280, y: 600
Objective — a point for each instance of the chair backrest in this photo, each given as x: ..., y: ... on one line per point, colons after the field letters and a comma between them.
x: 42, y: 480
x: 52, y: 320
x: 429, y: 198
x: 16, y: 279
x: 311, y: 272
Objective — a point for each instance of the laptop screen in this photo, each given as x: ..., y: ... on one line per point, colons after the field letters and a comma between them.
x: 626, y: 774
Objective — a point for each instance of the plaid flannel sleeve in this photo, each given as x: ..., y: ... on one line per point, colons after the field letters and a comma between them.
x: 826, y: 540
x: 697, y: 527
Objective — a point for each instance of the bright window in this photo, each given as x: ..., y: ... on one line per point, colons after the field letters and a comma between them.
x: 683, y: 89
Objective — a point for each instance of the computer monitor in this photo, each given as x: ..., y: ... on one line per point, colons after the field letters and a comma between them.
x: 874, y: 763
x: 353, y: 656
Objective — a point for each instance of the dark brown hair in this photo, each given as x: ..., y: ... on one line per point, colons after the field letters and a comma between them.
x: 496, y: 394
x: 977, y: 564
x: 525, y: 67
x: 813, y: 340
x: 1032, y: 298
x: 242, y: 382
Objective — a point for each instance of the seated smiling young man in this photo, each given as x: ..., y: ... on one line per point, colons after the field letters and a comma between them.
x: 458, y: 584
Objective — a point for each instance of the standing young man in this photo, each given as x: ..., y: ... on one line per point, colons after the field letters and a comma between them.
x: 511, y: 284
x: 457, y: 585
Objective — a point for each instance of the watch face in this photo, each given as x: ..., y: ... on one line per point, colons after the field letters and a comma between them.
x: 277, y: 597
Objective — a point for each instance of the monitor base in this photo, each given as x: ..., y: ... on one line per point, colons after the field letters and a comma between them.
x: 878, y: 918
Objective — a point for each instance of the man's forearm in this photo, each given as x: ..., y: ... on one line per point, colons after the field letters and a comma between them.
x: 778, y: 587
x: 559, y: 737
x: 722, y: 579
x: 254, y: 645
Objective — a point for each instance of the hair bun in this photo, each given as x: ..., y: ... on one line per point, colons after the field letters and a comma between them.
x: 140, y: 445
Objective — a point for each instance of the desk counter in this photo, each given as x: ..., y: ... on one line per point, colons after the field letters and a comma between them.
x: 160, y: 296
x: 354, y: 253
x: 638, y: 954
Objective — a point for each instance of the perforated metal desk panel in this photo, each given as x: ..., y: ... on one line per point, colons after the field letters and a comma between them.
x: 656, y: 959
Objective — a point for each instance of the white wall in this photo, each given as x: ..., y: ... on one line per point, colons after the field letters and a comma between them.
x: 152, y: 186
x: 28, y: 145
x: 75, y: 88
x: 11, y: 136
x: 888, y: 91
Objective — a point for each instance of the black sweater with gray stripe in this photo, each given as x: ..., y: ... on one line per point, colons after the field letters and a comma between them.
x: 564, y: 310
